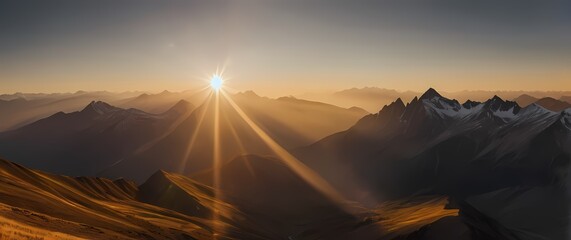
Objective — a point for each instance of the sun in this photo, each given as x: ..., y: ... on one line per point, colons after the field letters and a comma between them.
x: 216, y: 82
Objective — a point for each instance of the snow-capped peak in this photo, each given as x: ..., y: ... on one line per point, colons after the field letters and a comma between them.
x: 433, y: 105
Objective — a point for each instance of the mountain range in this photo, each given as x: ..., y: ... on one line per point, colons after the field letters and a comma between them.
x: 373, y: 98
x: 103, y: 140
x: 82, y: 142
x: 432, y: 168
x: 20, y: 109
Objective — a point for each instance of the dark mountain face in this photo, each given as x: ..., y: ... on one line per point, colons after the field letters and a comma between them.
x: 486, y: 156
x: 85, y: 142
x: 280, y: 200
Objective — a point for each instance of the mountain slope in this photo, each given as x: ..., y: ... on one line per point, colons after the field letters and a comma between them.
x: 171, y: 206
x: 94, y: 208
x: 184, y: 195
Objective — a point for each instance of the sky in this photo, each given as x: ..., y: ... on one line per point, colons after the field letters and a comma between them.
x: 284, y: 47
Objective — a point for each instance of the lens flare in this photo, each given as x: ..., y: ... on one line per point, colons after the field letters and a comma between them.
x: 216, y: 82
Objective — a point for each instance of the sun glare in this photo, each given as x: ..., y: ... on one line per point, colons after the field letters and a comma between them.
x: 216, y: 82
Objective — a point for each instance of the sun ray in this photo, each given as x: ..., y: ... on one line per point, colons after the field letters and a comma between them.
x: 165, y: 134
x: 216, y: 149
x: 236, y: 138
x: 196, y: 92
x: 216, y: 156
x: 194, y: 135
x: 292, y: 162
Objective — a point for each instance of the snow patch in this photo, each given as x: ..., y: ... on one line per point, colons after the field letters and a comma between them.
x: 505, y: 115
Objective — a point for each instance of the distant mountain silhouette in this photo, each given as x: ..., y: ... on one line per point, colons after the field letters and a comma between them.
x: 553, y: 104
x: 546, y: 102
x: 525, y: 100
x: 160, y: 102
x: 189, y: 148
x: 110, y: 141
x: 85, y: 142
x: 370, y: 98
x: 21, y: 109
x: 373, y: 98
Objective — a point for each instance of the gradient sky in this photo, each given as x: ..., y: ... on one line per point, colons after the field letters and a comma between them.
x: 284, y: 47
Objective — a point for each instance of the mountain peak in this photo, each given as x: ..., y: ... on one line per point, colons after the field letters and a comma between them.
x: 144, y: 95
x: 395, y: 109
x: 248, y: 93
x: 525, y: 100
x: 498, y: 104
x: 496, y: 98
x: 553, y: 104
x: 470, y: 104
x: 430, y: 94
x: 99, y: 107
x: 181, y: 106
